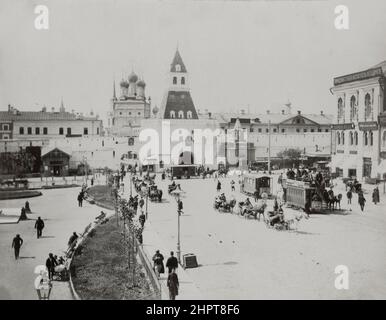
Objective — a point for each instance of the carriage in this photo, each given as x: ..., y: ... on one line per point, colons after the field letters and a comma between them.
x: 224, y: 206
x: 155, y: 194
x: 257, y: 182
x: 299, y: 194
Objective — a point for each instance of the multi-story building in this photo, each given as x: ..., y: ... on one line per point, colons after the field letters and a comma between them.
x: 32, y: 125
x: 127, y: 111
x: 360, y: 100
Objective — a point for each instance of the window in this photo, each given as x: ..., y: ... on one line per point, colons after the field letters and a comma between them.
x: 61, y: 130
x: 172, y: 114
x: 340, y: 109
x: 353, y: 109
x: 131, y: 141
x: 312, y: 130
x: 5, y: 136
x: 304, y: 130
x: 45, y: 130
x: 259, y: 130
x: 174, y: 80
x: 120, y: 113
x: 351, y: 138
x: 69, y: 131
x: 356, y: 138
x: 5, y: 127
x: 178, y: 68
x: 274, y: 130
x: 365, y: 138
x: 338, y: 138
x: 326, y: 130
x: 37, y: 130
x: 319, y: 130
x: 298, y: 130
x: 180, y: 114
x: 139, y: 113
x: 250, y: 129
x: 343, y: 136
x: 282, y: 130
x: 29, y: 130
x: 97, y: 130
x: 384, y: 138
x: 189, y: 114
x: 371, y: 138
x: 21, y: 130
x: 368, y: 107
x: 182, y: 80
x: 113, y: 154
x: 85, y: 131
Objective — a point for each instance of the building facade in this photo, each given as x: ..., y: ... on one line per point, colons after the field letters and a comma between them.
x: 357, y: 135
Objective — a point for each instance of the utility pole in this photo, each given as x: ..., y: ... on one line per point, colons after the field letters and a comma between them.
x: 269, y: 146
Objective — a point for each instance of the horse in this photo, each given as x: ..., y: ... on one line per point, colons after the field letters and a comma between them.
x: 336, y: 201
x: 256, y: 211
x: 226, y: 206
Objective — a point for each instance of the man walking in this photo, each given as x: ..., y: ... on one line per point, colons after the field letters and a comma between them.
x: 173, y: 285
x: 232, y: 186
x: 218, y: 186
x: 172, y: 262
x: 349, y: 196
x: 80, y: 199
x: 39, y: 225
x: 361, y: 200
x: 17, y: 242
x: 51, y: 263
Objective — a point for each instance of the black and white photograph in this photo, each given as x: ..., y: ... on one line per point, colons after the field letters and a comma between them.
x: 192, y: 150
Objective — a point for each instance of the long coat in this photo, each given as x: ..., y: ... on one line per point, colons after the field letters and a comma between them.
x: 159, y: 262
x: 376, y: 196
x: 173, y: 283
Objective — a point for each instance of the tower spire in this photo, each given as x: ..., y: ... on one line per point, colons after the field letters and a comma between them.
x: 61, y: 109
x: 114, y: 93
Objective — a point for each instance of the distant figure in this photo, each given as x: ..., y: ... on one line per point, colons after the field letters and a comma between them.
x: 180, y: 206
x: 17, y: 242
x: 158, y: 260
x: 218, y: 186
x: 23, y: 215
x: 141, y: 202
x: 43, y: 286
x: 39, y: 226
x: 256, y: 195
x: 172, y: 263
x: 142, y: 219
x: 232, y: 185
x: 349, y: 196
x: 361, y: 200
x: 73, y: 238
x: 51, y: 263
x: 92, y: 181
x: 80, y: 199
x: 173, y: 285
x: 376, y: 195
x: 27, y: 208
x: 280, y: 179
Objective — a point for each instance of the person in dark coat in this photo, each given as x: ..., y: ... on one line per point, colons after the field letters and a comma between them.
x: 376, y: 195
x: 27, y: 208
x: 180, y: 206
x: 142, y: 219
x: 39, y: 226
x: 218, y: 186
x: 51, y: 263
x: 172, y: 263
x: 80, y: 199
x: 73, y: 238
x: 173, y: 285
x: 361, y: 200
x: 17, y: 242
x: 23, y: 215
x: 349, y: 196
x: 158, y: 260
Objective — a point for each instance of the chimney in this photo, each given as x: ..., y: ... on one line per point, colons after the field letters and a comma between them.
x: 299, y: 112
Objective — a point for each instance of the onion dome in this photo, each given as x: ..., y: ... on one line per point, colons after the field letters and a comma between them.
x: 133, y: 77
x: 141, y: 84
x: 124, y: 84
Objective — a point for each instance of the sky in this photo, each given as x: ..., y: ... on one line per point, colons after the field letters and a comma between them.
x: 253, y: 55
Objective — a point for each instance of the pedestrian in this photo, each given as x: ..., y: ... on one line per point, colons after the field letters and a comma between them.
x: 218, y: 186
x: 256, y: 195
x: 17, y: 242
x: 39, y: 226
x: 80, y: 199
x: 23, y: 215
x: 232, y: 186
x: 27, y: 208
x: 142, y: 219
x: 92, y: 181
x: 376, y: 195
x: 158, y: 260
x: 73, y: 238
x: 180, y: 206
x: 51, y: 263
x: 172, y: 263
x: 173, y: 285
x: 280, y: 179
x: 349, y: 196
x: 43, y: 285
x: 141, y: 202
x: 361, y: 200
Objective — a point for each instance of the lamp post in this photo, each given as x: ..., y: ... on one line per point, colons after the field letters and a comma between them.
x: 176, y: 193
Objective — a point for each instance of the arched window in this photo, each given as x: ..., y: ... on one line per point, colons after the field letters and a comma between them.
x: 356, y: 138
x: 340, y: 109
x: 189, y: 114
x: 178, y: 68
x: 180, y: 114
x: 368, y: 107
x: 172, y: 114
x: 384, y: 138
x: 338, y: 137
x: 353, y: 109
x: 342, y: 137
x: 365, y: 138
x: 174, y: 80
x: 351, y: 138
x: 371, y: 138
x: 182, y: 80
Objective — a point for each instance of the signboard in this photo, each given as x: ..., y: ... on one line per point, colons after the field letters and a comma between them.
x: 353, y: 152
x: 343, y: 126
x: 376, y: 72
x: 365, y: 126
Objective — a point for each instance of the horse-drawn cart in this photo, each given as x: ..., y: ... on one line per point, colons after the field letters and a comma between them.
x: 255, y: 182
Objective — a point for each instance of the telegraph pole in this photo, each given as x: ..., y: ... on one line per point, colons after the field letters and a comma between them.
x: 269, y: 146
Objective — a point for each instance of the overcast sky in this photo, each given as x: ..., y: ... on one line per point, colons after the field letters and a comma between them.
x: 238, y: 53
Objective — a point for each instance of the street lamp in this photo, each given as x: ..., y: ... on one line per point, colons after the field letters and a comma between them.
x: 177, y: 193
